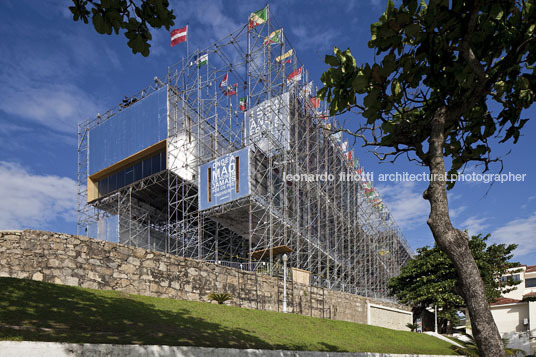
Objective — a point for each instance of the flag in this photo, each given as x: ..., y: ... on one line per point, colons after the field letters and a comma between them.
x: 295, y: 75
x: 258, y: 17
x: 307, y: 89
x: 243, y: 104
x: 369, y: 190
x: 201, y: 60
x: 350, y: 155
x: 179, y: 36
x: 287, y: 54
x: 226, y: 88
x: 315, y: 102
x: 344, y: 146
x: 338, y: 136
x: 274, y: 37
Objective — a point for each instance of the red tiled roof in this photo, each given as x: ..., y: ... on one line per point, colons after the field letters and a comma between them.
x: 531, y: 268
x: 529, y: 295
x: 503, y: 301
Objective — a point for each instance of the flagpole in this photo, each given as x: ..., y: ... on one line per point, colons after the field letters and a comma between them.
x: 248, y: 93
x: 187, y: 41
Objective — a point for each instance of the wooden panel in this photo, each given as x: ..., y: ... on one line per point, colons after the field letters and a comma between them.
x: 92, y: 181
x: 160, y: 146
x: 92, y: 190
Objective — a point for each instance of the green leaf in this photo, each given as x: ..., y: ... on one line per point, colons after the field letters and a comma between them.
x: 98, y: 23
x: 331, y: 60
x: 395, y: 87
x: 360, y: 83
x: 412, y: 30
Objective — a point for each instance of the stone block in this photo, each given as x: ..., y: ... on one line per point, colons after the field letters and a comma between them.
x: 139, y: 252
x: 134, y: 261
x: 127, y: 268
x: 148, y: 264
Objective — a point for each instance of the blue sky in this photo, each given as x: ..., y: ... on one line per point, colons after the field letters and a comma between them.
x: 55, y: 72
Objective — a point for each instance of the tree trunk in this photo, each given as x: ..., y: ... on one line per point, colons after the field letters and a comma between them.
x: 455, y: 244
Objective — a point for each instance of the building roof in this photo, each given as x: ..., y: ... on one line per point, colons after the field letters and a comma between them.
x: 504, y: 301
x: 532, y: 294
x: 531, y: 268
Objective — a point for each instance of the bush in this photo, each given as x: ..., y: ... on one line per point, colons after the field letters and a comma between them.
x: 411, y: 326
x: 220, y: 298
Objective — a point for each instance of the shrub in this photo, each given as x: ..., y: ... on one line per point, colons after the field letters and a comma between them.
x: 411, y: 326
x: 220, y: 298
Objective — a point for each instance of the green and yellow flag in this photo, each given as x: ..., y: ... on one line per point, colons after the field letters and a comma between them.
x: 274, y: 37
x: 258, y: 17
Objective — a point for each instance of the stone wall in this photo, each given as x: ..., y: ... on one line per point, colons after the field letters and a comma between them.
x: 90, y: 263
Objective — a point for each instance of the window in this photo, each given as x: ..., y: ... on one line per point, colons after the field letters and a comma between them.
x: 147, y: 167
x: 530, y: 283
x: 516, y: 277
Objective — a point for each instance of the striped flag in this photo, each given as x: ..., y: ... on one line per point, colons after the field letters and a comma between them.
x: 258, y: 17
x: 179, y: 36
x: 201, y: 60
x: 243, y: 103
x: 295, y: 75
x: 286, y: 55
x: 274, y: 38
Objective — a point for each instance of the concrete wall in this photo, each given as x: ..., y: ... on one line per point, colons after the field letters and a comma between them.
x: 81, y: 261
x: 52, y: 349
x: 385, y: 316
x: 509, y: 318
x: 510, y: 322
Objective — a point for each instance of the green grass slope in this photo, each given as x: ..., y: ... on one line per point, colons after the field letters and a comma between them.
x: 36, y: 311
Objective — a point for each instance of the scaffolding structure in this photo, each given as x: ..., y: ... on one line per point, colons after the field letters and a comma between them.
x: 328, y: 228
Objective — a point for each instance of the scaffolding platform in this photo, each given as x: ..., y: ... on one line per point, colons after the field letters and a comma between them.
x: 197, y: 165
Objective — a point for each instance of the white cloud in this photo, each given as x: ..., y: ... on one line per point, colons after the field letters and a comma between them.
x: 455, y: 212
x: 406, y: 204
x: 57, y: 106
x: 44, y: 86
x: 34, y: 201
x: 519, y: 231
x: 308, y: 37
x: 474, y: 225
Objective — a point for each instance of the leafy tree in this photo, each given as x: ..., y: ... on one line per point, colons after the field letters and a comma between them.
x: 440, y: 69
x: 133, y: 16
x: 430, y: 279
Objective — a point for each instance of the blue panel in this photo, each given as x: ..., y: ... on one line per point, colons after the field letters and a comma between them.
x: 217, y: 179
x: 133, y: 129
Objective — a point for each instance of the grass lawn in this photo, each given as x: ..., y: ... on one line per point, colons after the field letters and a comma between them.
x: 36, y: 311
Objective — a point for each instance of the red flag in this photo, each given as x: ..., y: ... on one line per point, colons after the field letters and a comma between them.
x: 349, y: 155
x: 315, y: 102
x: 296, y: 75
x: 226, y: 88
x: 179, y: 35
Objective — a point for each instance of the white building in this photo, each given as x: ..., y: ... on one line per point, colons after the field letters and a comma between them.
x: 515, y: 313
